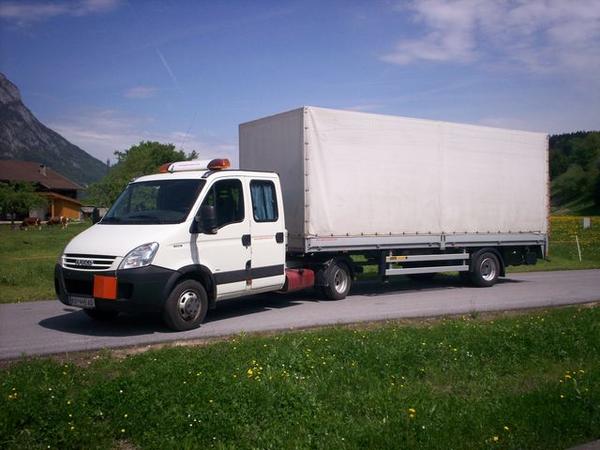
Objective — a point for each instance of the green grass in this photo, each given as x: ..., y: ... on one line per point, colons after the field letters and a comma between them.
x: 27, y: 261
x: 527, y: 381
x: 563, y: 254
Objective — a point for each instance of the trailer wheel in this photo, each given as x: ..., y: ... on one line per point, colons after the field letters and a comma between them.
x: 186, y: 306
x: 338, y: 280
x: 485, y: 269
x: 101, y: 315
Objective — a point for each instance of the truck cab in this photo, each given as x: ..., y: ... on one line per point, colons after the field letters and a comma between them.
x: 178, y: 241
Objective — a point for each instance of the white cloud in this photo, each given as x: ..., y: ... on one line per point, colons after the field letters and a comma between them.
x: 26, y: 12
x: 100, y: 133
x: 140, y: 92
x: 534, y: 35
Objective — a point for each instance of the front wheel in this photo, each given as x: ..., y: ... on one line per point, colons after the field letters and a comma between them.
x: 186, y: 306
x: 339, y: 281
x: 485, y: 270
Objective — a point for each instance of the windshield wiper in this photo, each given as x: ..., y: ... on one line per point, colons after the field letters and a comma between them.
x: 143, y: 216
x: 111, y: 219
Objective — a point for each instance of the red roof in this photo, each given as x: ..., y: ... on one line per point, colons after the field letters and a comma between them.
x: 13, y: 170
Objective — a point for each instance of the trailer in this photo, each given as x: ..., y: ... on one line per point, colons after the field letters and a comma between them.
x: 416, y: 196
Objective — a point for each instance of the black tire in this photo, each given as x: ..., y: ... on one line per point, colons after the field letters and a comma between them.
x: 101, y: 315
x: 186, y: 306
x: 485, y: 269
x: 339, y: 281
x: 421, y: 277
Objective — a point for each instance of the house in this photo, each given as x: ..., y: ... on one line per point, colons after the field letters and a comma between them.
x: 60, y: 192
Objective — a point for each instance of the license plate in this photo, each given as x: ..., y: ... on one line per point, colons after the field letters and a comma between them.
x: 82, y: 302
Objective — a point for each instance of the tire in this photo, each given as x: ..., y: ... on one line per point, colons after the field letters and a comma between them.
x: 485, y: 269
x: 421, y: 277
x: 186, y: 306
x: 101, y: 315
x: 338, y: 280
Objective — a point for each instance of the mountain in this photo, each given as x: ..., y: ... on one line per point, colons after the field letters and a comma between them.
x: 24, y: 137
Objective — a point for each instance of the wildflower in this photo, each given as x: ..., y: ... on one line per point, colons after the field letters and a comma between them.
x: 506, y: 428
x: 495, y: 438
x: 122, y: 430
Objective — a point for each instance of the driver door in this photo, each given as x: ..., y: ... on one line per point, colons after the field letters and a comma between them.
x: 227, y: 254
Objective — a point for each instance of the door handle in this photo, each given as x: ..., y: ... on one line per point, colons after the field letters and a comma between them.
x: 279, y: 237
x: 246, y: 240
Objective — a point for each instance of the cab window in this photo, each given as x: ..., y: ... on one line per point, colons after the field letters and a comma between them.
x: 264, y: 201
x: 228, y: 199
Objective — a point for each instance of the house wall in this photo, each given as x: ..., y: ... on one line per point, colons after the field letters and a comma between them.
x: 65, y: 209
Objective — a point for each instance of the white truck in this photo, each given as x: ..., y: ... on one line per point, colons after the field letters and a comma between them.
x: 320, y: 194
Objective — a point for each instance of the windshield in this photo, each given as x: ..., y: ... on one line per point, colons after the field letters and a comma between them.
x: 154, y: 202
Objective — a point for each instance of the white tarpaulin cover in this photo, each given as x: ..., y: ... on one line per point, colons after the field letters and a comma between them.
x: 349, y: 174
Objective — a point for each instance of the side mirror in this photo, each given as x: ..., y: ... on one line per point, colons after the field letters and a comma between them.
x: 95, y: 216
x: 207, y: 219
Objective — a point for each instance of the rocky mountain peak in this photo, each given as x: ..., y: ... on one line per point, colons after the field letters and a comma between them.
x: 24, y: 137
x: 9, y: 93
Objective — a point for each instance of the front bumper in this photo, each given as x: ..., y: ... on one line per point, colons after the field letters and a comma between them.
x: 141, y: 289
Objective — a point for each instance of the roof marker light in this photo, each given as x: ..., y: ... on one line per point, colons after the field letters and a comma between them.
x: 165, y: 167
x: 195, y: 164
x: 219, y: 164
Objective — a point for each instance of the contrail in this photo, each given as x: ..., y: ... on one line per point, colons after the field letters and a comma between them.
x: 164, y: 61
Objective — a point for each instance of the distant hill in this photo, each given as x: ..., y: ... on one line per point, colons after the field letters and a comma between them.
x: 24, y: 137
x: 575, y: 172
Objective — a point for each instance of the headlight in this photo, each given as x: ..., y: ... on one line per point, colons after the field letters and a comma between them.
x: 140, y: 256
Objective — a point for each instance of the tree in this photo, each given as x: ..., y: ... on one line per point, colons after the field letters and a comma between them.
x: 142, y: 159
x: 18, y: 198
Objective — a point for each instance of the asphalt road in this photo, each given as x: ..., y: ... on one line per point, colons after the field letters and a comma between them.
x: 47, y: 327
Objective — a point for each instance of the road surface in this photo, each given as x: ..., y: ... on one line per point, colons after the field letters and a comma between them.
x: 47, y: 327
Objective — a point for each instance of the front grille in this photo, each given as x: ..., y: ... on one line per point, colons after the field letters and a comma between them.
x: 77, y: 261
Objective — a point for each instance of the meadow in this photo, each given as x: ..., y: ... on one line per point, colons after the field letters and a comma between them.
x: 27, y: 258
x: 502, y: 381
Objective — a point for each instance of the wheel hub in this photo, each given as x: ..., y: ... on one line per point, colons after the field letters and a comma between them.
x: 488, y: 269
x: 189, y: 305
x: 340, y: 280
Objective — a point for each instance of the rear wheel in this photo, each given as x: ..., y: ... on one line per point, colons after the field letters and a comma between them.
x: 339, y: 281
x: 101, y: 315
x: 485, y: 269
x: 186, y: 307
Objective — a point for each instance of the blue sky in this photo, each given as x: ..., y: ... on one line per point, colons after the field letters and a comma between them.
x: 109, y: 73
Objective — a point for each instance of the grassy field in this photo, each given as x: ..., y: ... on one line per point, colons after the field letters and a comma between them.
x: 563, y: 254
x: 27, y: 261
x: 525, y: 381
x: 27, y: 258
